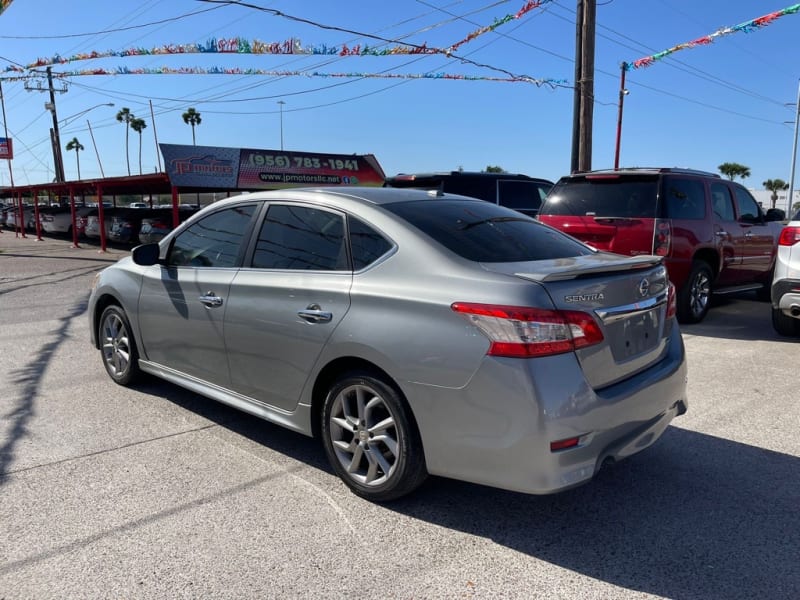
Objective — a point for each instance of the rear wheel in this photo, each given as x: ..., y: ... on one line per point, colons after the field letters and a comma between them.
x: 694, y: 298
x: 786, y: 326
x: 120, y: 356
x: 370, y: 438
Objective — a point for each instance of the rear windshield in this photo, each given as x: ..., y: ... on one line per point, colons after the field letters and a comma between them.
x: 633, y: 197
x: 485, y: 232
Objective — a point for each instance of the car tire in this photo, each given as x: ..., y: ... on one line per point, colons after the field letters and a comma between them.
x: 785, y: 326
x: 695, y: 296
x: 370, y: 438
x: 118, y: 347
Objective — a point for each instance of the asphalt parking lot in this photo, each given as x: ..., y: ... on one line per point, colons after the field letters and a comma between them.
x: 154, y: 492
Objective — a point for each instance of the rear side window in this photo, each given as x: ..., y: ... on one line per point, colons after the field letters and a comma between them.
x: 526, y: 195
x: 627, y: 197
x: 485, y: 232
x: 301, y: 238
x: 366, y: 244
x: 684, y: 198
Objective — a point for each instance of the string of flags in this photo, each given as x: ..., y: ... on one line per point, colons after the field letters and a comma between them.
x: 264, y: 72
x: 746, y: 27
x: 239, y: 45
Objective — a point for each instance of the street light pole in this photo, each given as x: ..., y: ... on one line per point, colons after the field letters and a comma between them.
x: 794, y: 156
x: 281, y: 103
x: 64, y: 122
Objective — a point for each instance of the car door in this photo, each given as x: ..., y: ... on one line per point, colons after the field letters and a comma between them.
x: 287, y: 301
x: 729, y: 235
x: 183, y: 301
x: 757, y: 257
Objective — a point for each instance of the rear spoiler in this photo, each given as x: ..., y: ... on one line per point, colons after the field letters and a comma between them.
x: 561, y: 272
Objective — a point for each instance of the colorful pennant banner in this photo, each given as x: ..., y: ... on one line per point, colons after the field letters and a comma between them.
x: 4, y: 4
x: 239, y: 71
x: 746, y: 27
x: 238, y: 45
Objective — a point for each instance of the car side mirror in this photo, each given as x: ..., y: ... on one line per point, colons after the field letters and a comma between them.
x: 146, y: 255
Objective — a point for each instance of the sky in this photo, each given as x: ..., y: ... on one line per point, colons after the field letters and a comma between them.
x: 510, y: 103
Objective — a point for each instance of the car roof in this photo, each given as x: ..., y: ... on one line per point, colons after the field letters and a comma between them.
x: 358, y: 194
x: 438, y: 175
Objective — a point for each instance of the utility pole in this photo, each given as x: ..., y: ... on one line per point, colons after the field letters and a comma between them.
x: 794, y: 156
x: 583, y: 104
x: 55, y: 137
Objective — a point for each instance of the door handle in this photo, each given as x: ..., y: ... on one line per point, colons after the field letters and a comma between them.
x: 314, y: 314
x: 722, y: 233
x: 210, y: 299
x: 749, y: 234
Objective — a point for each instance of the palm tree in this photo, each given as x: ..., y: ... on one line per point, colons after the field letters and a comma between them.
x: 733, y: 170
x: 74, y: 144
x: 192, y: 117
x: 775, y: 186
x: 138, y: 125
x: 126, y: 116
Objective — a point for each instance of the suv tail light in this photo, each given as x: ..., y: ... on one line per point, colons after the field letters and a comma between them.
x: 789, y: 236
x: 662, y: 237
x: 522, y: 332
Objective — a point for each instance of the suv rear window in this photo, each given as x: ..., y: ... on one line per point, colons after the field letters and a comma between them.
x: 632, y: 197
x: 485, y: 232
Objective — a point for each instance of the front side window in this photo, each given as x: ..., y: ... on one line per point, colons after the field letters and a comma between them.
x: 214, y: 241
x: 748, y: 207
x: 301, y: 237
x: 684, y: 198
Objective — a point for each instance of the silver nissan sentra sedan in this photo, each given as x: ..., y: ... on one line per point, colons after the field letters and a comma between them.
x: 414, y: 332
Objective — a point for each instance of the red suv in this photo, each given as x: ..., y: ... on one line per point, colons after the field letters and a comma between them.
x: 713, y: 235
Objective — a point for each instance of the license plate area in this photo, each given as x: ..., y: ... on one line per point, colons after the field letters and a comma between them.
x: 635, y: 335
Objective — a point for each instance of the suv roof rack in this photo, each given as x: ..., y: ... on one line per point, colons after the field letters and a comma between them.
x: 682, y: 170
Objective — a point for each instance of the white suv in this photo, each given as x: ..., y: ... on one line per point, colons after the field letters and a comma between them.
x: 786, y: 283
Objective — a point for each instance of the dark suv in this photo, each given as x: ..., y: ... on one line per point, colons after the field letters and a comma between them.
x: 713, y: 235
x: 512, y: 190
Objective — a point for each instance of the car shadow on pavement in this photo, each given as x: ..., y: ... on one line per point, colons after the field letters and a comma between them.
x: 694, y: 516
x: 737, y: 317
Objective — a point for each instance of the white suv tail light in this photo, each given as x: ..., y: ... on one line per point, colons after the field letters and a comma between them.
x: 523, y: 332
x: 789, y: 236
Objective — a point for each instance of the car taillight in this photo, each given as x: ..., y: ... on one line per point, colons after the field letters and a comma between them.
x: 789, y: 236
x: 672, y: 303
x: 662, y: 237
x: 522, y: 332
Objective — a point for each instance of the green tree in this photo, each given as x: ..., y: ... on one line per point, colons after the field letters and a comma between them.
x: 495, y: 169
x: 126, y: 116
x: 775, y: 186
x: 138, y: 125
x: 192, y: 117
x: 74, y: 144
x: 732, y: 170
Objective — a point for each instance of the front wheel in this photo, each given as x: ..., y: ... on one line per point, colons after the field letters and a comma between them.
x: 694, y: 298
x: 120, y: 356
x: 370, y: 438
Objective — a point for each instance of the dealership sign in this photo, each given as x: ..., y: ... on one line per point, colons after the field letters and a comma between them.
x: 6, y: 148
x: 248, y: 169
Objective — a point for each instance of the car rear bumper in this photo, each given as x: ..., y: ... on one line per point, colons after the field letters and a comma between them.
x: 786, y: 296
x: 497, y: 430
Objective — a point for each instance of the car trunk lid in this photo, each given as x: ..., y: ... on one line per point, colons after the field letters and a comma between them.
x: 628, y: 298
